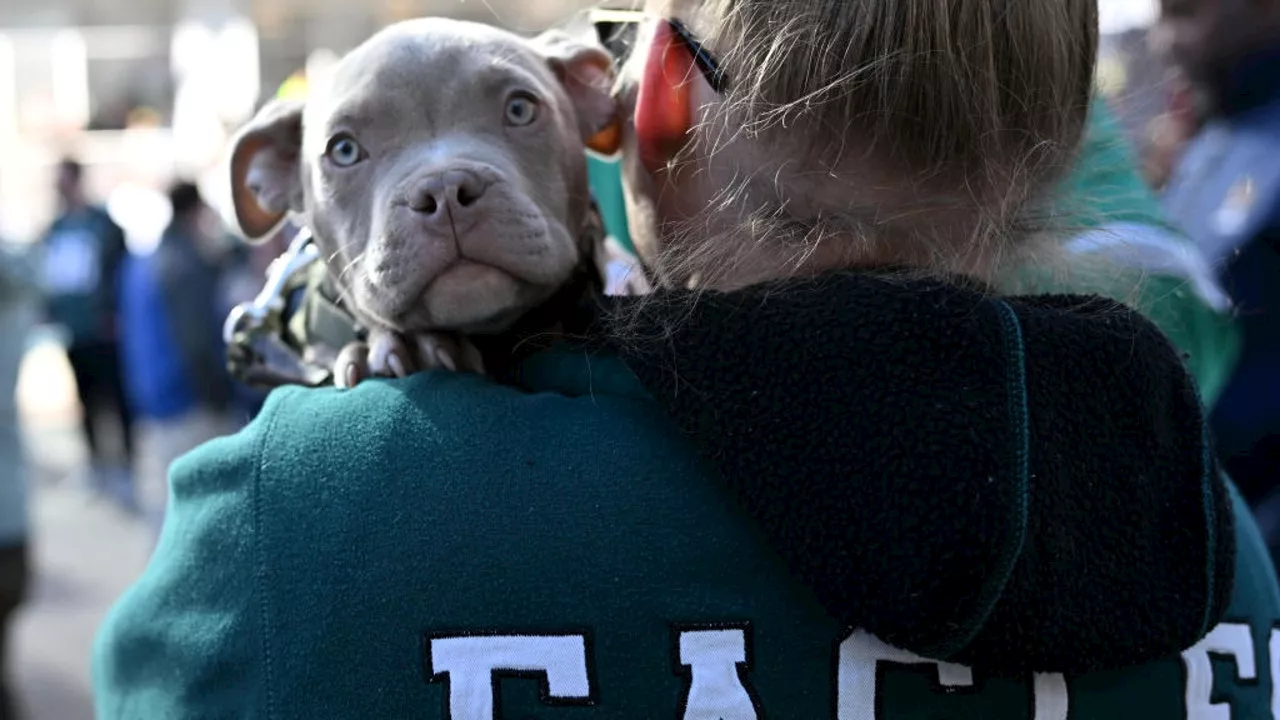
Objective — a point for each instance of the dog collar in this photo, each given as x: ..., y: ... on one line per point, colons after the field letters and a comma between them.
x: 264, y: 348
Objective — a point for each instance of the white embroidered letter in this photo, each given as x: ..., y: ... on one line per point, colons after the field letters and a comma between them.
x: 858, y: 675
x: 716, y: 690
x: 856, y: 681
x: 471, y: 666
x: 1233, y: 640
x: 1051, y: 699
x: 1273, y: 648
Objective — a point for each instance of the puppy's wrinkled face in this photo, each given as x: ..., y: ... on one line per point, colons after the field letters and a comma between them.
x: 441, y: 170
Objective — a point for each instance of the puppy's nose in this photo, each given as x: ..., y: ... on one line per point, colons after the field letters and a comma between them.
x: 459, y: 190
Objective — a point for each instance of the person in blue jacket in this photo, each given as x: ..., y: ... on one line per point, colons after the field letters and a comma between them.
x: 1225, y: 192
x: 841, y: 476
x: 175, y: 380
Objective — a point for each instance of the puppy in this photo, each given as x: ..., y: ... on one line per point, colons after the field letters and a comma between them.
x: 441, y: 170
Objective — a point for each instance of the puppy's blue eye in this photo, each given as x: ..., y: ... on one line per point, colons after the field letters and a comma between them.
x: 344, y: 151
x: 522, y: 109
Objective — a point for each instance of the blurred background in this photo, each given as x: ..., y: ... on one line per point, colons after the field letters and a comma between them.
x: 144, y: 93
x: 142, y: 89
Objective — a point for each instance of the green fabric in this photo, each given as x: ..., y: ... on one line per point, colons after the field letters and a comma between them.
x: 605, y: 177
x: 308, y: 561
x: 1105, y: 186
x: 1208, y: 339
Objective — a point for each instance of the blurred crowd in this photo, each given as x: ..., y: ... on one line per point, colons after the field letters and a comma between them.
x: 1213, y: 155
x: 141, y: 330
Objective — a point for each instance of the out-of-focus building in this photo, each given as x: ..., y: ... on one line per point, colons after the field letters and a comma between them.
x: 143, y: 89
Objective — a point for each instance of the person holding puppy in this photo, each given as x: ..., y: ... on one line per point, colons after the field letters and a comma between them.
x: 823, y: 471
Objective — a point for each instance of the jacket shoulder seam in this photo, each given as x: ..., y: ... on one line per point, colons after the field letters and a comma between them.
x: 261, y: 559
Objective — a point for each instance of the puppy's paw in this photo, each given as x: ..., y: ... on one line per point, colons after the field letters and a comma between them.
x: 389, y: 355
x: 352, y: 366
x: 392, y: 355
x: 449, y: 353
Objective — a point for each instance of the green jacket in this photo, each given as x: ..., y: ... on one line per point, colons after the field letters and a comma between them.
x: 387, y: 553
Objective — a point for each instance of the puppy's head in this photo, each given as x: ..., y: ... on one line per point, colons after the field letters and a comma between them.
x: 441, y: 170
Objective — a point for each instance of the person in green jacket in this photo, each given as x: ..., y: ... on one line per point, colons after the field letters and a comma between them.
x: 1121, y: 246
x: 803, y: 491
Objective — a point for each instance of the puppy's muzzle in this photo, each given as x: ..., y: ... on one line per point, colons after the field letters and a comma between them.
x: 449, y: 202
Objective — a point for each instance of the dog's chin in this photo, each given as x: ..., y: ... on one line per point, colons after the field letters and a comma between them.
x: 472, y: 298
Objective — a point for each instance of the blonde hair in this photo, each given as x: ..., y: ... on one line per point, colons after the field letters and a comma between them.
x: 923, y: 133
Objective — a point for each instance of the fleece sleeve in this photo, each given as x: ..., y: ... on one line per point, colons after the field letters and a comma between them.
x: 184, y: 641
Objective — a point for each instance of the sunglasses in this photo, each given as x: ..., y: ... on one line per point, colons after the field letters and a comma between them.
x: 616, y: 30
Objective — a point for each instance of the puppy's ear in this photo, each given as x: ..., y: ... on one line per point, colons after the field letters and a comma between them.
x: 586, y: 71
x: 266, y: 175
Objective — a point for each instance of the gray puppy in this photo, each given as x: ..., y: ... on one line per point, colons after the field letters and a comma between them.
x: 442, y: 173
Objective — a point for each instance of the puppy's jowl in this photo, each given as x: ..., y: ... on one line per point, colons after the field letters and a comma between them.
x: 442, y: 173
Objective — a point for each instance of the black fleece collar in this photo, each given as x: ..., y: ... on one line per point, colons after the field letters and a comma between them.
x: 1018, y: 483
